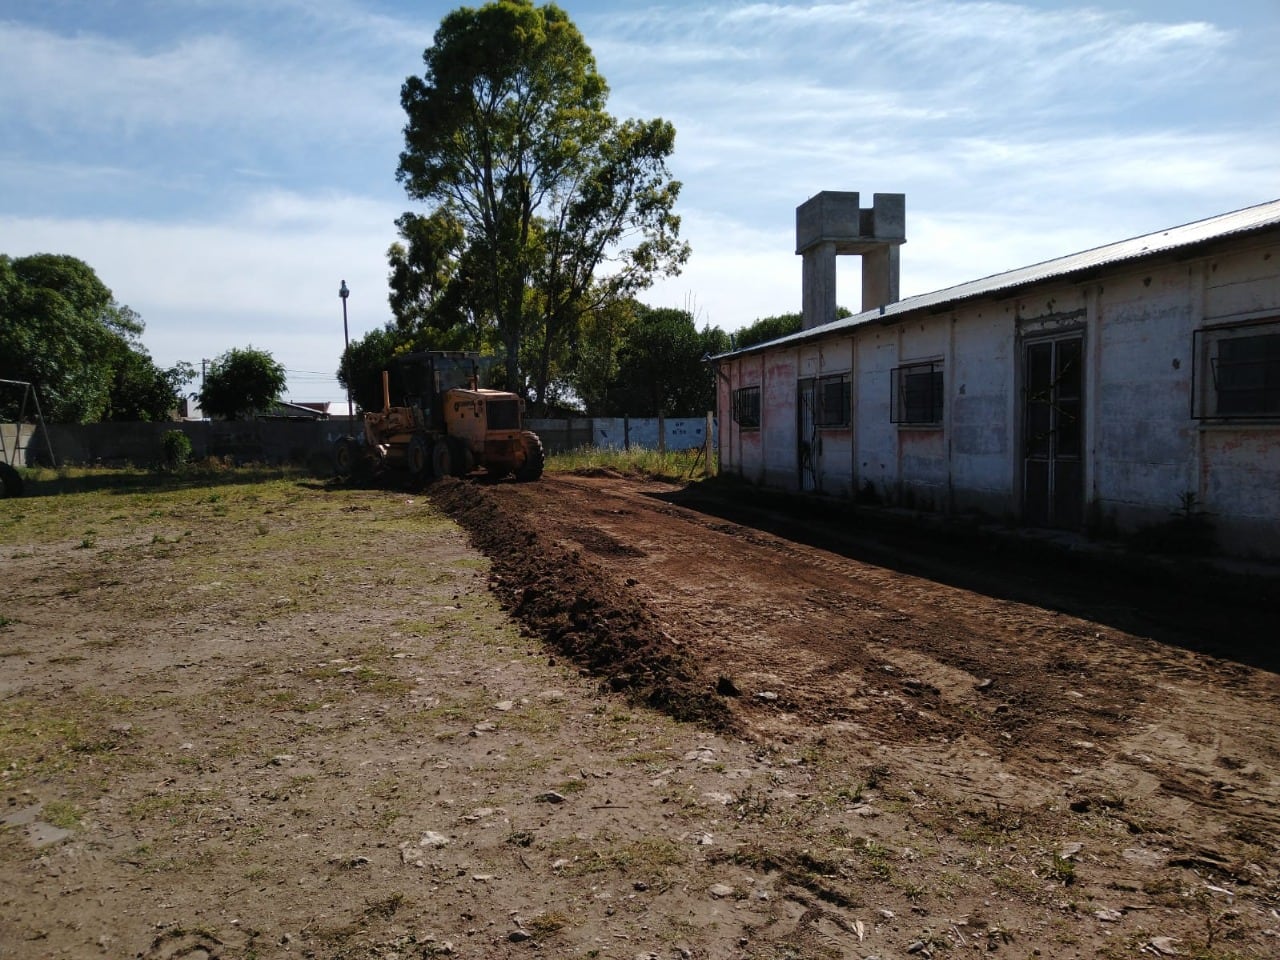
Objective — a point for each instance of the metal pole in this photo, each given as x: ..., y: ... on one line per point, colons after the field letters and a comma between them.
x: 343, y: 292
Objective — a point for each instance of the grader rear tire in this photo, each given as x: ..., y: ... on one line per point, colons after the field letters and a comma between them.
x: 418, y: 459
x: 463, y: 460
x: 442, y: 458
x: 534, y: 457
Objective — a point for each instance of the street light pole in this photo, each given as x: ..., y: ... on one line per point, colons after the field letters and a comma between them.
x: 344, y: 292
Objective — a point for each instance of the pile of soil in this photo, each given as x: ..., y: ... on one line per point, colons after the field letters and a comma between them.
x: 594, y: 620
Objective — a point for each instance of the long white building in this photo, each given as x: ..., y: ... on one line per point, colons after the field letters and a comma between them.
x: 1116, y: 387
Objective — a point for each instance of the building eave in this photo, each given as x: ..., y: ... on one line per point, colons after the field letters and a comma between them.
x: 1184, y: 241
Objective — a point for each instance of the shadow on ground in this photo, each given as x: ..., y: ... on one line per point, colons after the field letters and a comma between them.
x: 1195, y: 604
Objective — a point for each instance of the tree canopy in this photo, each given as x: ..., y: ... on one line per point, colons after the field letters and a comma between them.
x: 62, y: 330
x: 765, y: 329
x: 241, y: 382
x: 660, y: 365
x: 363, y: 362
x: 542, y: 207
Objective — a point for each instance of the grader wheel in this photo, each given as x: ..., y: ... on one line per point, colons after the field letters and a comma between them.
x: 346, y: 457
x: 443, y: 461
x: 418, y: 458
x: 534, y: 457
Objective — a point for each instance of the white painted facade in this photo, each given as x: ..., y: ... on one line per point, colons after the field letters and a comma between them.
x: 1091, y: 390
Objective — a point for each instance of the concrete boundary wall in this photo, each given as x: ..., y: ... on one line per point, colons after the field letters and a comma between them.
x: 14, y: 442
x: 248, y: 441
x: 307, y: 443
x: 621, y: 433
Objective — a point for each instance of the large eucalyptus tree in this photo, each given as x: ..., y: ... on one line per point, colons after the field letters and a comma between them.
x: 561, y: 208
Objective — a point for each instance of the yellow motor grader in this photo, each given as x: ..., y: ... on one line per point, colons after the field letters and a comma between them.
x: 445, y: 425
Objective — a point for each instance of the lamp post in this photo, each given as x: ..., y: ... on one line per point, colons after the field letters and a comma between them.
x: 344, y: 292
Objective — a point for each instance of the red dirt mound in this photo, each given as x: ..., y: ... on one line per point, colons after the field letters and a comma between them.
x: 600, y: 625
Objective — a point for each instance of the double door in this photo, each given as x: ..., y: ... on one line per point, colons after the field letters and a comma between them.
x: 1053, y: 432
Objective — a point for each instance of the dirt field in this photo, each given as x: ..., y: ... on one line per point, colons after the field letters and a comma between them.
x: 259, y: 719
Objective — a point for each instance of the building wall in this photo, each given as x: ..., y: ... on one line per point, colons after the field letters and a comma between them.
x: 1239, y: 463
x: 834, y: 458
x: 778, y: 430
x: 981, y: 410
x: 1144, y: 452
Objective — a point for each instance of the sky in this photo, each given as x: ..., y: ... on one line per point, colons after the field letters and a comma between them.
x: 224, y: 164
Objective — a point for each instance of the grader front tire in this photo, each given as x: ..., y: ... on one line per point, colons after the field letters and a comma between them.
x: 534, y: 458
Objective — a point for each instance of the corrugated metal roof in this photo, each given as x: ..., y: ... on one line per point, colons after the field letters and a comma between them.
x: 1237, y: 222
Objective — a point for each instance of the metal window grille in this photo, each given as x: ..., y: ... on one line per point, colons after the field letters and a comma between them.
x: 834, y: 396
x: 746, y: 407
x: 916, y: 393
x: 1243, y: 367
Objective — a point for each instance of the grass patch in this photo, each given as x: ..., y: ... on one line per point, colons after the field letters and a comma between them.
x: 61, y: 814
x: 650, y: 856
x: 548, y: 922
x: 36, y: 741
x: 674, y: 465
x: 175, y: 806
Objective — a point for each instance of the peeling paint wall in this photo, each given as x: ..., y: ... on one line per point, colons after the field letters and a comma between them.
x: 876, y: 455
x: 981, y: 409
x: 1144, y: 448
x: 834, y: 458
x: 778, y: 397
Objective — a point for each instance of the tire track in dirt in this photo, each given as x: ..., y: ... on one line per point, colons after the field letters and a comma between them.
x: 820, y: 633
x: 996, y: 696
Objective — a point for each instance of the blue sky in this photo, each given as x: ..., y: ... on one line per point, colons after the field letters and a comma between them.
x: 223, y: 164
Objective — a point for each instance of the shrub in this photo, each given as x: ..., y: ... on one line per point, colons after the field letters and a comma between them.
x: 177, y: 449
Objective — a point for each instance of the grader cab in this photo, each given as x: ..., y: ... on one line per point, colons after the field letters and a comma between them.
x: 443, y: 424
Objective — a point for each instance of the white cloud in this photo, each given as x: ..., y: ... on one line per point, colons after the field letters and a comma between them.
x: 267, y: 275
x: 929, y: 57
x: 1018, y: 132
x: 107, y: 88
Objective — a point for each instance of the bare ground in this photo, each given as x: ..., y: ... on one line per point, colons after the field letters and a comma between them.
x: 288, y: 720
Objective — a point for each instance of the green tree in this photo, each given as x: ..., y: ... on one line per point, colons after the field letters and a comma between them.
x: 61, y: 329
x: 428, y: 281
x: 142, y: 391
x: 595, y: 365
x: 765, y: 329
x: 509, y: 141
x: 241, y: 382
x: 365, y: 359
x: 661, y: 368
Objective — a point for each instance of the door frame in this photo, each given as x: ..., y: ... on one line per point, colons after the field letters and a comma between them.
x: 808, y: 443
x: 1075, y: 515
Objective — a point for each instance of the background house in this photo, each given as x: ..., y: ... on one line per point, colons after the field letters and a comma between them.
x: 1115, y: 386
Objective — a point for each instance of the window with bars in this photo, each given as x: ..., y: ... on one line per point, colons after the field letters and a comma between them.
x: 1240, y: 371
x: 833, y: 401
x: 746, y: 408
x: 916, y: 393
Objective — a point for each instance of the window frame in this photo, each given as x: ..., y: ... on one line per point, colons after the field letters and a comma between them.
x: 844, y: 412
x: 746, y: 397
x: 1208, y: 372
x: 900, y: 410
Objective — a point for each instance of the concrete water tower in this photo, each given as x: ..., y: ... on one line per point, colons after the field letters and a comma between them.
x: 832, y: 224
